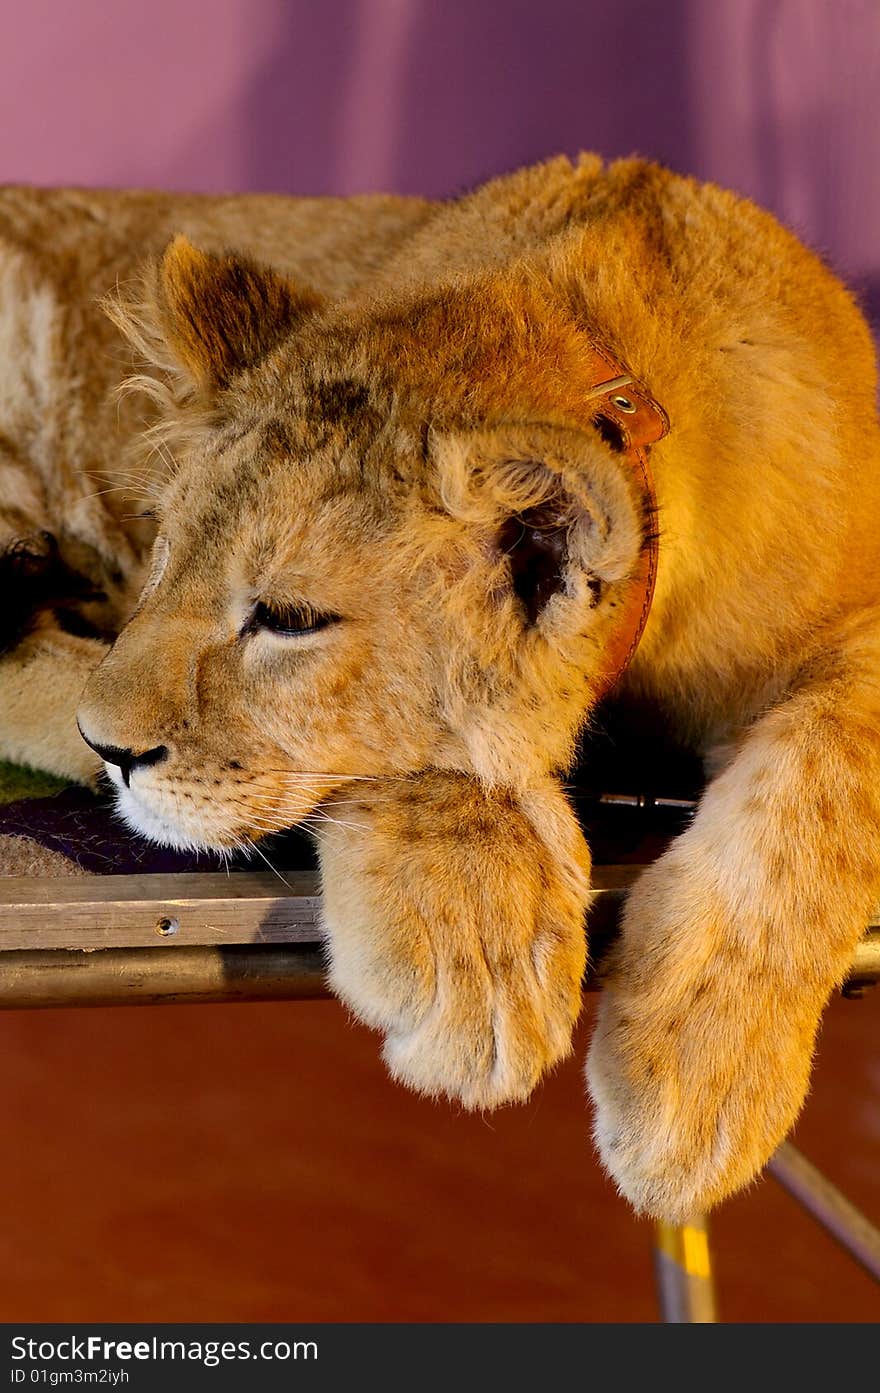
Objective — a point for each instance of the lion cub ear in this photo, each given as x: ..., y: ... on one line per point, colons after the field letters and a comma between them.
x: 551, y: 504
x: 222, y: 313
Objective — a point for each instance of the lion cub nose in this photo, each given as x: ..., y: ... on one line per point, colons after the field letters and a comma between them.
x: 127, y: 760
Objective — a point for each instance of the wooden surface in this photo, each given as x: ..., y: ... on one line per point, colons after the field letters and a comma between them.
x: 104, y: 940
x: 136, y: 911
x: 130, y: 911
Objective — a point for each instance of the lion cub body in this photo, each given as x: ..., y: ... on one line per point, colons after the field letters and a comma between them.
x: 347, y: 452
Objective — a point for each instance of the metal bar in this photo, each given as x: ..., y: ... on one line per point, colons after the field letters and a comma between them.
x: 683, y: 1274
x: 146, y: 939
x: 143, y: 977
x: 112, y: 940
x: 837, y: 1215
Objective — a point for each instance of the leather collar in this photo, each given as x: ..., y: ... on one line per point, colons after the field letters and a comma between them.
x: 627, y: 414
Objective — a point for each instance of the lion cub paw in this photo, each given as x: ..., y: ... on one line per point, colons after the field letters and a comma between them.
x: 701, y: 1056
x: 455, y: 921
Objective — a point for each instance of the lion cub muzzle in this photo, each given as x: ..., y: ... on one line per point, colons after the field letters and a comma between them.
x: 126, y: 760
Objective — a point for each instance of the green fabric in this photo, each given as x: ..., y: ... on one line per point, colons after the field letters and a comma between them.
x: 17, y: 782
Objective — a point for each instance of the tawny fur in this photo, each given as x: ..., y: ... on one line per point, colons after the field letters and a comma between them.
x: 352, y: 433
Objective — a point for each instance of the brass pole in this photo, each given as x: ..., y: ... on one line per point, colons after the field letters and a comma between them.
x: 683, y: 1273
x: 837, y: 1215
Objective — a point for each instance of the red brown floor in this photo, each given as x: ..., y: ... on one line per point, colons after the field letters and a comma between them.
x: 249, y: 1163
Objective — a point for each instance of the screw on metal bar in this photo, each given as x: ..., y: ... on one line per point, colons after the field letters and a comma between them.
x: 647, y: 802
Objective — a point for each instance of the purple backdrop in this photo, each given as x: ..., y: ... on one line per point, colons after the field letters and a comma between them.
x: 778, y: 98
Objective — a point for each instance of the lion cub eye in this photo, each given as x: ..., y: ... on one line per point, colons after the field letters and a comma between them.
x: 288, y: 620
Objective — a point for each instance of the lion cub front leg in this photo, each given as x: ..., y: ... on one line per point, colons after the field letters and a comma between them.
x: 43, y: 669
x: 41, y: 682
x: 455, y: 920
x: 731, y: 944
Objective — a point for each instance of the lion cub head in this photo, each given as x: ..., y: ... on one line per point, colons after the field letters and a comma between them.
x: 391, y: 540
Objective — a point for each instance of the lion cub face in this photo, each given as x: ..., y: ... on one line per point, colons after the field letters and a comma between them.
x: 361, y: 570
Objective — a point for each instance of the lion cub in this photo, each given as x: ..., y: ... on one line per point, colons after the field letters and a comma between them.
x: 399, y: 523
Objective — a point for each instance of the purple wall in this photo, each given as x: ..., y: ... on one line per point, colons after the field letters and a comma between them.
x: 779, y: 98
